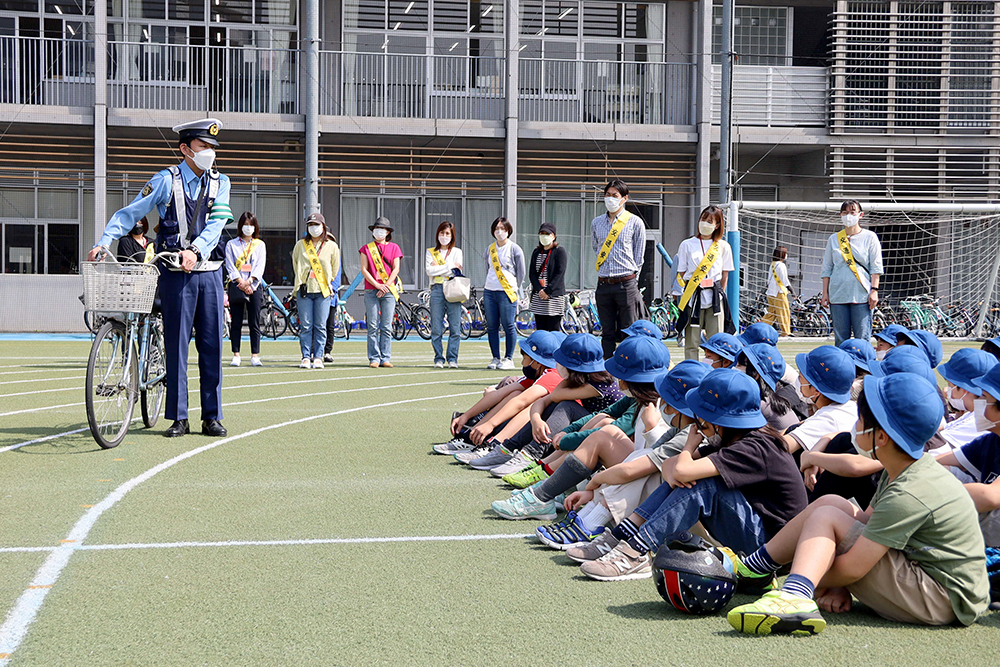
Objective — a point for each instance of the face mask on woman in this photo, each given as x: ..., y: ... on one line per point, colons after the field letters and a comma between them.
x: 706, y: 227
x: 247, y: 230
x: 315, y: 231
x: 444, y: 239
x: 379, y: 234
x: 500, y: 234
x: 850, y: 219
x: 546, y: 239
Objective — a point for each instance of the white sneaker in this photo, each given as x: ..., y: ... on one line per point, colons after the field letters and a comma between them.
x: 255, y: 361
x: 506, y: 365
x: 305, y: 364
x: 493, y: 365
x: 438, y: 364
x: 317, y: 363
x: 235, y: 361
x: 452, y: 364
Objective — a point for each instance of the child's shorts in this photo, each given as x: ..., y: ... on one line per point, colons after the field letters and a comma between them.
x: 899, y: 589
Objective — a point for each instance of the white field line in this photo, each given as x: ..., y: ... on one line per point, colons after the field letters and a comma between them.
x: 275, y: 543
x: 259, y: 400
x: 23, y: 614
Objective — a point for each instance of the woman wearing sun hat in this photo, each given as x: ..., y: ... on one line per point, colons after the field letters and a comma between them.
x: 721, y: 350
x: 742, y: 491
x: 380, y: 265
x: 916, y: 556
x: 825, y: 378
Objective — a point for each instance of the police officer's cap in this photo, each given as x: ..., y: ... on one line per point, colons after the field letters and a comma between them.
x: 206, y: 129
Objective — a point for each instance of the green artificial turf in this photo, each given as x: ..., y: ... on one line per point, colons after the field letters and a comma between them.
x: 364, y: 473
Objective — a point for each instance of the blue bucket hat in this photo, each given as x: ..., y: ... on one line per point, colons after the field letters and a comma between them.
x: 674, y: 385
x: 928, y: 344
x: 861, y: 352
x: 767, y: 360
x: 904, y: 359
x: 965, y: 367
x: 559, y: 336
x: 761, y: 332
x: 991, y: 382
x: 581, y: 352
x: 830, y: 370
x: 907, y: 407
x: 644, y: 328
x: 890, y: 334
x: 727, y: 398
x: 540, y: 346
x: 638, y: 359
x: 992, y: 346
x: 725, y: 345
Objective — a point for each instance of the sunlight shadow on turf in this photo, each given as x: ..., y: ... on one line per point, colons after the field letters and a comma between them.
x: 650, y: 610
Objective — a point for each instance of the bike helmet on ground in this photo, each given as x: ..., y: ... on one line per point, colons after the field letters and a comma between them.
x: 692, y: 575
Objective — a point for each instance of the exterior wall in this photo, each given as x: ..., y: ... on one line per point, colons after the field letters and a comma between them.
x: 41, y: 303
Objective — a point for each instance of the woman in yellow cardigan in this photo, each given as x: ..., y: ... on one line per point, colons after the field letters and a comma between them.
x: 315, y: 261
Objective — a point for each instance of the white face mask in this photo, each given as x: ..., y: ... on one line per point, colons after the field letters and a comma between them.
x: 204, y: 159
x: 562, y: 371
x: 880, y: 354
x: 706, y: 228
x: 444, y: 239
x: 247, y: 230
x: 546, y: 239
x: 500, y: 234
x: 979, y: 410
x: 867, y: 453
x: 850, y: 219
x: 379, y: 234
x: 957, y: 403
x: 612, y: 203
x: 315, y: 231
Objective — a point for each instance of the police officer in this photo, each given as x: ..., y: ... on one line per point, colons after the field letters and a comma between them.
x: 192, y: 200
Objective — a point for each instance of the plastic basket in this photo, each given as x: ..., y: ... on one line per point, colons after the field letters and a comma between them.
x: 109, y: 287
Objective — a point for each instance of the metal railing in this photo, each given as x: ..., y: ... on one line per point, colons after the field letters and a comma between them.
x: 42, y: 70
x: 202, y: 78
x: 776, y: 96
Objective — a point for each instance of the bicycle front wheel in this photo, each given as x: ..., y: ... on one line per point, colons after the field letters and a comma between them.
x: 422, y: 321
x: 272, y: 322
x: 112, y: 381
x: 524, y: 322
x: 466, y: 323
x: 154, y: 378
x: 398, y: 326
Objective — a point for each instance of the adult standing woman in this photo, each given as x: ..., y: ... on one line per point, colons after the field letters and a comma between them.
x: 331, y: 321
x: 778, y: 289
x: 246, y: 256
x: 133, y: 247
x: 852, y: 268
x: 315, y: 262
x: 441, y: 262
x: 703, y: 264
x: 380, y: 266
x: 547, y: 273
x: 504, y: 273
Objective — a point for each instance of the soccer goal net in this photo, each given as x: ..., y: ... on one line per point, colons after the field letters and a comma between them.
x: 940, y: 260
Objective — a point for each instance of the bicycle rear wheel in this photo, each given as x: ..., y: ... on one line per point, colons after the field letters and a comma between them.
x: 524, y: 322
x: 422, y: 321
x: 478, y: 329
x: 272, y: 322
x: 112, y: 381
x: 466, y: 323
x: 151, y: 398
x: 398, y: 326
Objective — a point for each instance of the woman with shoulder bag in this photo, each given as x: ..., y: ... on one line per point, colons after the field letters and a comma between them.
x: 547, y: 273
x: 441, y: 262
x: 315, y: 261
x: 245, y: 260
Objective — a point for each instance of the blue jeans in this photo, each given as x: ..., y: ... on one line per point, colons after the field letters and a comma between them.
x: 378, y: 320
x: 314, y: 309
x: 724, y: 512
x: 499, y: 311
x: 848, y: 317
x: 440, y: 306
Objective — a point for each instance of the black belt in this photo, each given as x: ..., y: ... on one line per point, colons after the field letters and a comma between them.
x: 615, y: 280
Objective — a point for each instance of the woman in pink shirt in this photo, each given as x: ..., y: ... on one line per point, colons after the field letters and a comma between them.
x: 380, y: 266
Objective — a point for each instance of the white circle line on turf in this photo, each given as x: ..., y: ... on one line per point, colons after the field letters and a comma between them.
x: 277, y: 543
x: 22, y: 615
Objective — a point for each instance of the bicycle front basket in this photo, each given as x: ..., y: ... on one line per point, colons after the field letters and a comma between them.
x: 109, y: 287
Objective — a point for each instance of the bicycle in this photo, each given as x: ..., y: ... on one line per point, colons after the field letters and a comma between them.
x: 474, y: 316
x: 409, y: 316
x: 664, y: 314
x: 273, y: 318
x: 574, y: 319
x: 810, y: 318
x: 127, y: 359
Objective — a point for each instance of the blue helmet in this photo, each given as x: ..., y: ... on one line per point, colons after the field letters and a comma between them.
x: 694, y: 576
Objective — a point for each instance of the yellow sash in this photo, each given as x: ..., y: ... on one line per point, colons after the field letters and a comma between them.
x: 616, y: 230
x: 150, y: 251
x: 380, y: 269
x: 781, y: 288
x: 844, y: 243
x: 495, y: 258
x: 436, y: 256
x: 245, y: 257
x: 317, y: 267
x: 699, y: 273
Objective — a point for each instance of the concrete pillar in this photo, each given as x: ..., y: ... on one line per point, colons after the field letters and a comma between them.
x: 511, y: 89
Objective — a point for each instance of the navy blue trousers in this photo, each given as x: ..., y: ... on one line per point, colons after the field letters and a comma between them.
x: 192, y: 300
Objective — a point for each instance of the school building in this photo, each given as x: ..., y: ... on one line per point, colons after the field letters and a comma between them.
x: 426, y: 115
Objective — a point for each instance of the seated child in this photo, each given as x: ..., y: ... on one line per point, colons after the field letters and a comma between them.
x: 914, y: 556
x: 992, y: 346
x: 863, y: 354
x: 779, y: 403
x: 825, y: 378
x: 926, y: 342
x: 961, y: 372
x: 721, y: 350
x: 887, y: 338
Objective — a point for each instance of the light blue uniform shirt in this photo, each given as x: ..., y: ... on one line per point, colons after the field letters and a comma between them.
x: 160, y: 190
x: 844, y: 285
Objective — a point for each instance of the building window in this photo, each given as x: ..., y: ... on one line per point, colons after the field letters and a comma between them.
x: 40, y: 230
x: 761, y: 35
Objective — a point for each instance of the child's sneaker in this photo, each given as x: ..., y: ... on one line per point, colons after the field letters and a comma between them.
x: 519, y: 462
x: 473, y: 454
x: 525, y: 506
x: 566, y: 534
x: 622, y: 563
x: 525, y: 478
x: 602, y: 544
x: 748, y: 581
x: 453, y: 447
x: 497, y: 456
x: 778, y: 611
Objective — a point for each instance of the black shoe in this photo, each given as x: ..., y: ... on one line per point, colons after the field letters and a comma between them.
x: 213, y: 427
x: 177, y: 429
